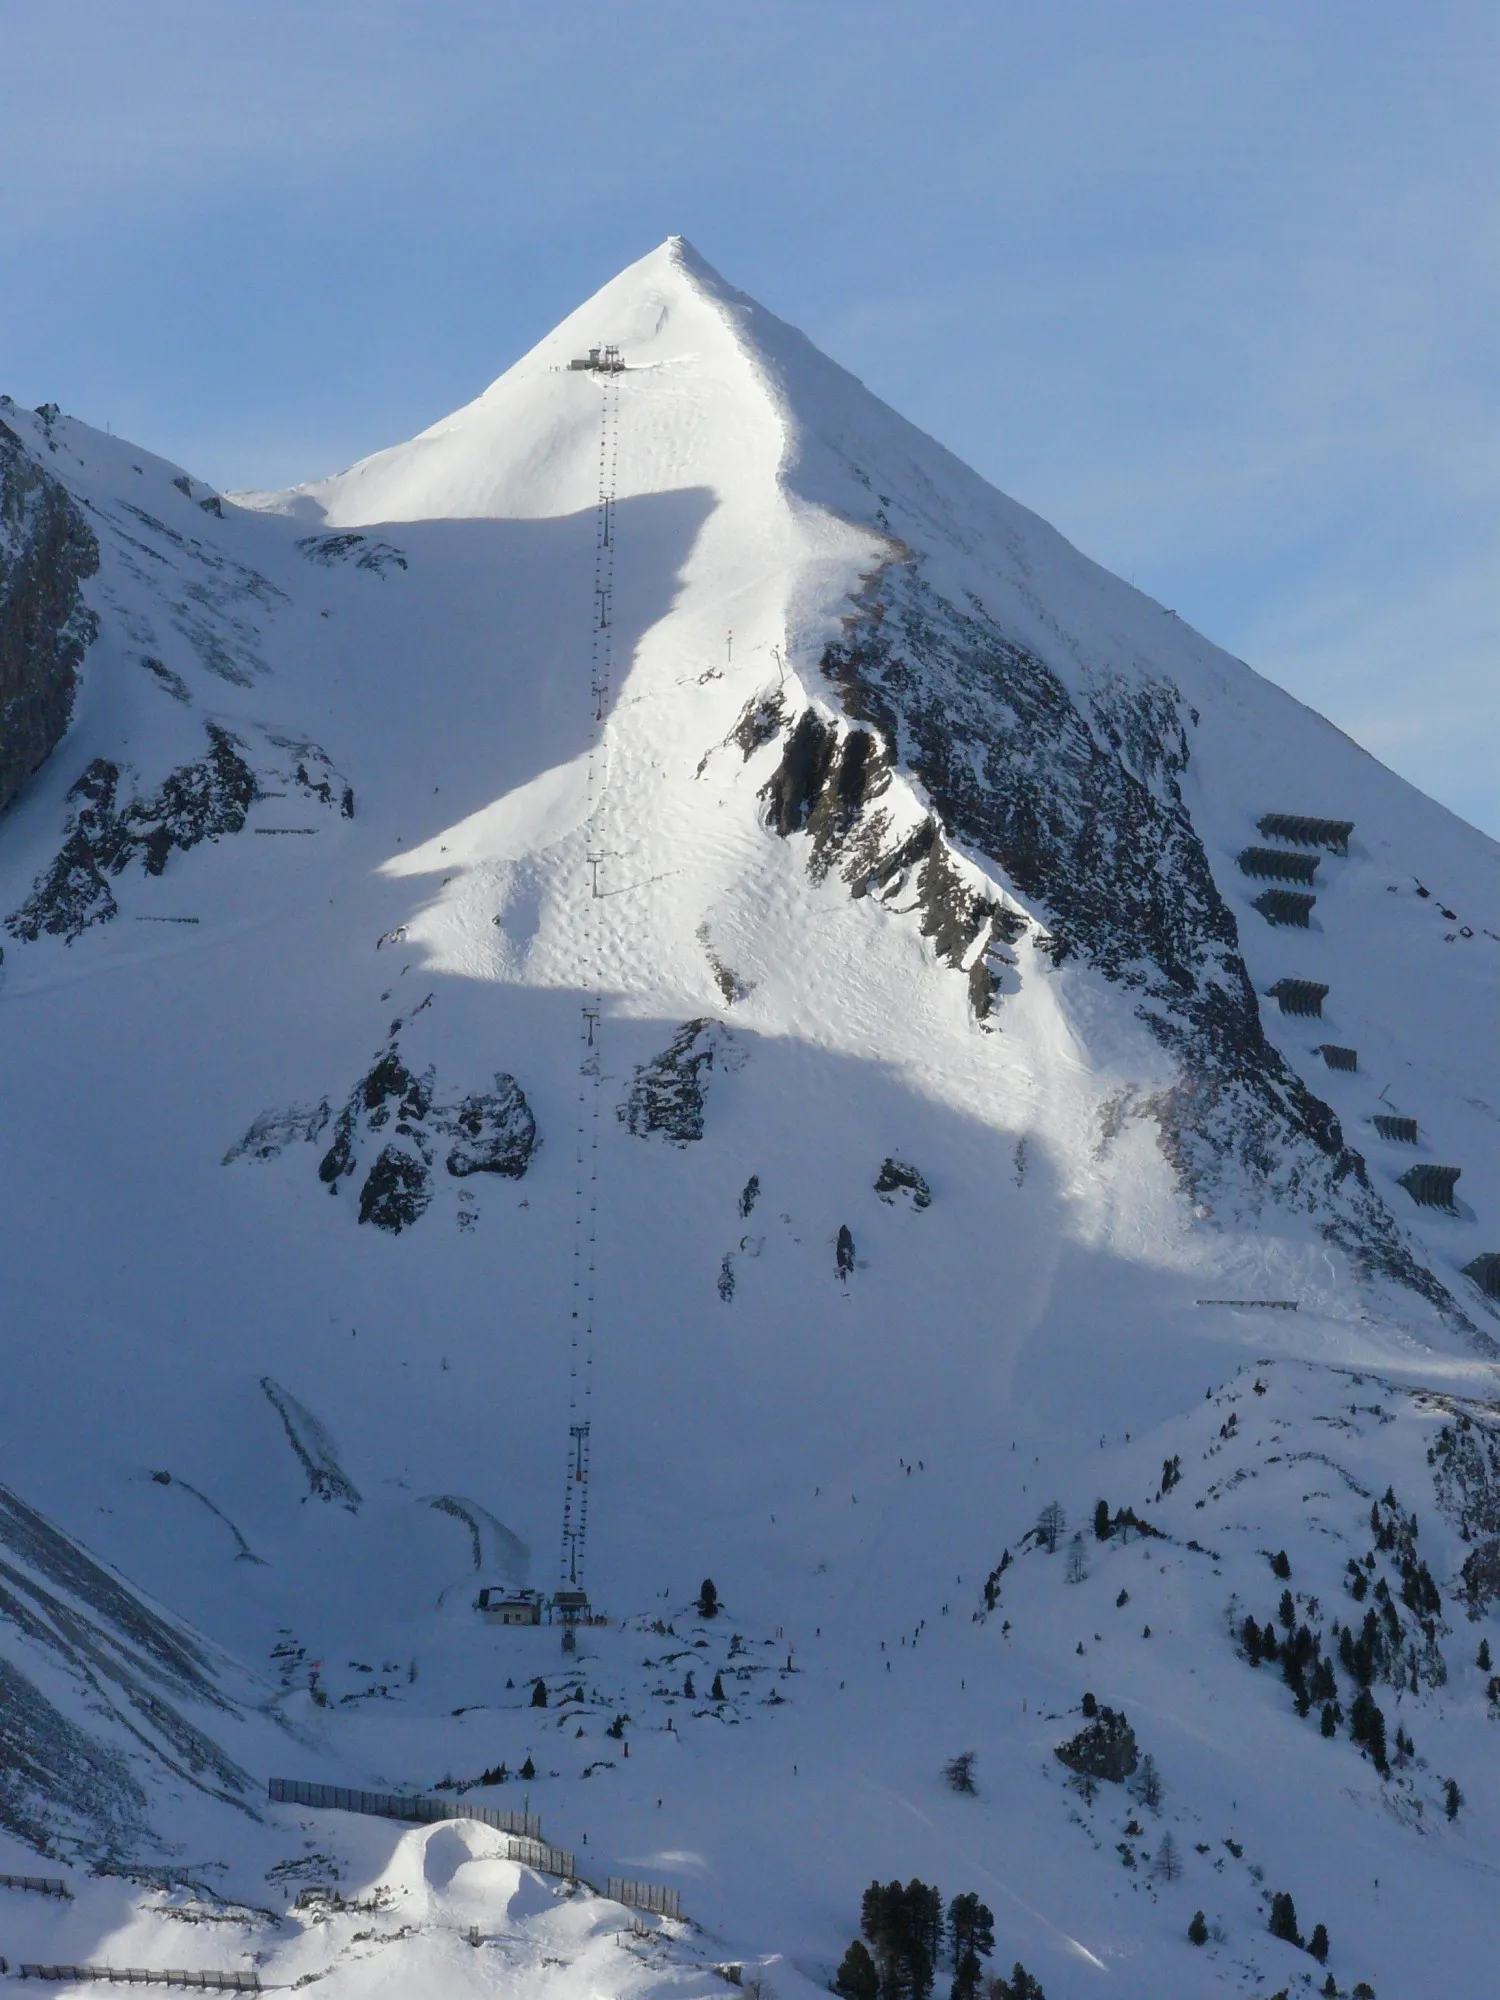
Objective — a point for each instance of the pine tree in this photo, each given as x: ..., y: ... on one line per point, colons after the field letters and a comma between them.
x: 708, y: 1599
x: 1330, y: 1720
x: 857, y: 1978
x: 971, y: 1927
x: 1367, y: 1726
x: 1280, y: 1565
x: 1286, y: 1611
x: 1020, y: 1986
x: 1198, y: 1929
x: 904, y: 1927
x: 926, y: 1916
x: 1330, y: 1988
x: 716, y: 1692
x: 883, y: 1919
x: 1483, y: 1662
x: 965, y: 1977
x: 688, y: 1692
x: 1090, y: 1705
x: 527, y: 1770
x: 539, y: 1693
x: 1050, y: 1524
x: 1283, y: 1922
x: 1453, y: 1798
x: 1317, y: 1944
x: 1101, y: 1521
x: 1168, y: 1863
x: 959, y: 1771
x: 1148, y: 1786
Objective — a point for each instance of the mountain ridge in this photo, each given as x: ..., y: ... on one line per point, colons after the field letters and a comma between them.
x: 698, y: 807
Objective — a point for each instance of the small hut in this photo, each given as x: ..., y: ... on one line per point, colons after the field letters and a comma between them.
x: 500, y: 1604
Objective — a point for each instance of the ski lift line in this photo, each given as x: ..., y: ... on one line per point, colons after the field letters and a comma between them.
x: 606, y: 366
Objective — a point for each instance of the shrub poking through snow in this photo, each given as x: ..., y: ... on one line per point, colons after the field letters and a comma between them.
x: 959, y: 1772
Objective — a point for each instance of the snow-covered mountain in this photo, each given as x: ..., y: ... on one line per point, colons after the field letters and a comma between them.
x: 667, y: 904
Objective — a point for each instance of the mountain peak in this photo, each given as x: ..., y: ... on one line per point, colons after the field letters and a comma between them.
x: 660, y: 973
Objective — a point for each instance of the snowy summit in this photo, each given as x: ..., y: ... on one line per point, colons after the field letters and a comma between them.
x: 725, y: 1181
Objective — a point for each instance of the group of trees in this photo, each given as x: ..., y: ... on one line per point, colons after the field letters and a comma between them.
x: 906, y: 1934
x: 1309, y: 1673
x: 1283, y: 1924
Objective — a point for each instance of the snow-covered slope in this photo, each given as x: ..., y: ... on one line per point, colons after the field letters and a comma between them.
x: 667, y: 903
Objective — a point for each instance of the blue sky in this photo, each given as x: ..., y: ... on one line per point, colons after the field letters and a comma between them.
x: 1212, y: 286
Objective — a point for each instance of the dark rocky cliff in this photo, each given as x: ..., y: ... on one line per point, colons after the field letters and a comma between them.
x: 46, y: 551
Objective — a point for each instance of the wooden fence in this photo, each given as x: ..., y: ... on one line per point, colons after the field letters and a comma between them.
x: 652, y: 1896
x: 538, y: 1855
x: 135, y: 1975
x: 39, y: 1885
x: 398, y: 1805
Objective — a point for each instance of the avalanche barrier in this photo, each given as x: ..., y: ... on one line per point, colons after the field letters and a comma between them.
x: 653, y: 1896
x: 39, y: 1885
x: 408, y: 1806
x: 135, y: 1975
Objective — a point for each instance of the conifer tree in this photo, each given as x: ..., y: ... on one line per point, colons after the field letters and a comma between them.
x: 1148, y: 1786
x: 965, y: 1977
x: 1317, y: 1944
x: 1020, y: 1986
x: 1050, y: 1524
x: 688, y: 1692
x: 1453, y: 1798
x: 1367, y: 1726
x: 959, y: 1771
x: 539, y: 1693
x: 857, y: 1978
x: 716, y: 1692
x: 527, y: 1770
x: 1283, y: 1922
x: 1101, y: 1521
x: 708, y: 1599
x: 1198, y: 1929
x: 1280, y: 1565
x: 904, y: 1927
x: 1483, y: 1662
x: 971, y: 1927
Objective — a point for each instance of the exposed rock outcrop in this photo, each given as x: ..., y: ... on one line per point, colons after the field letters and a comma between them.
x: 106, y: 833
x: 1078, y: 801
x: 896, y: 1178
x: 46, y: 551
x: 669, y: 1092
x: 395, y: 1114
